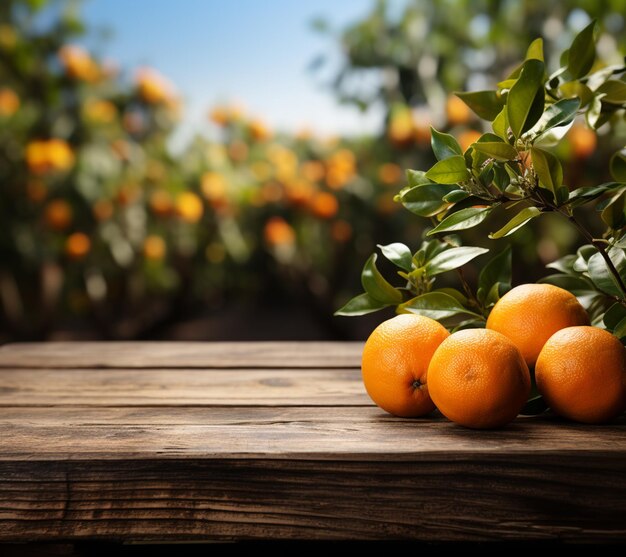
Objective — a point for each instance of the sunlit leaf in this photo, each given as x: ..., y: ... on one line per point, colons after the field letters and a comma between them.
x: 463, y: 219
x: 548, y: 169
x: 519, y: 220
x: 535, y: 50
x: 444, y: 145
x: 525, y: 99
x: 449, y: 171
x: 361, y: 305
x: 452, y: 259
x: 558, y: 114
x: 435, y: 305
x: 614, y: 91
x: 582, y: 53
x: 456, y: 196
x: 486, y: 104
x: 398, y: 254
x: 499, y: 151
x: 426, y: 200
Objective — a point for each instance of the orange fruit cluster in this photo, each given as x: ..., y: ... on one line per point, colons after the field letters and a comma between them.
x: 481, y: 378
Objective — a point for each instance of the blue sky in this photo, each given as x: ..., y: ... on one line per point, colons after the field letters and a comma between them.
x: 254, y: 51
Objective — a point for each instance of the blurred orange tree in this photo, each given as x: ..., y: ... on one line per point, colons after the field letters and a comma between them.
x: 104, y: 226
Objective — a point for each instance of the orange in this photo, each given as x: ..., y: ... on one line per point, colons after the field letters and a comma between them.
x: 189, y: 207
x: 154, y: 247
x: 390, y: 174
x: 467, y: 137
x: 9, y: 102
x: 478, y: 379
x: 324, y: 205
x: 395, y: 364
x: 531, y: 313
x: 77, y: 245
x: 581, y: 373
x: 582, y: 140
x: 457, y: 111
x: 278, y: 231
x: 58, y: 214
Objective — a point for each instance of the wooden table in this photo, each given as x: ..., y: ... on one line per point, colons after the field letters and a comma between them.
x: 141, y: 442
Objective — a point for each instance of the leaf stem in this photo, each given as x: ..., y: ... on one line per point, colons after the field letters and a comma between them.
x: 601, y: 249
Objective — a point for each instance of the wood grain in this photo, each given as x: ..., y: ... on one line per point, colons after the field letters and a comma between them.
x: 441, y: 497
x: 349, y: 433
x: 274, y: 355
x: 170, y: 442
x: 181, y: 387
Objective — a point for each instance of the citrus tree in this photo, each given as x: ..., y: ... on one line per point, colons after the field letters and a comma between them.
x: 512, y: 171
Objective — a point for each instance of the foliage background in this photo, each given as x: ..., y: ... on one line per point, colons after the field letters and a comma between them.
x: 253, y: 233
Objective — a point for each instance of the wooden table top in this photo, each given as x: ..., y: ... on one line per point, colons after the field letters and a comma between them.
x: 139, y: 442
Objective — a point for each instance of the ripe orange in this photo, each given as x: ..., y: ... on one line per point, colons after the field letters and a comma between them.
x: 531, y: 313
x: 395, y: 361
x: 478, y: 379
x: 77, y: 246
x: 581, y: 373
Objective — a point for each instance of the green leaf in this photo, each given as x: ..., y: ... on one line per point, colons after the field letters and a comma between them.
x: 613, y: 315
x: 449, y: 171
x: 558, y: 114
x: 452, y: 259
x: 500, y: 125
x: 548, y: 169
x: 399, y: 254
x: 461, y: 220
x: 417, y: 178
x: 583, y: 195
x: 614, y: 91
x: 573, y: 89
x: 435, y: 305
x: 444, y: 145
x: 377, y: 286
x: 614, y: 211
x: 519, y: 220
x: 582, y: 53
x: 535, y: 50
x: 426, y: 200
x: 497, y: 271
x: 600, y: 274
x: 525, y: 97
x: 594, y: 112
x: 577, y: 285
x: 456, y: 196
x: 500, y: 177
x: 486, y: 104
x: 564, y: 264
x: 618, y: 166
x: 620, y: 329
x: 360, y: 305
x: 499, y: 151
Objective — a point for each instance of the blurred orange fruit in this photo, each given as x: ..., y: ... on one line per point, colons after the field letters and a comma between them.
x: 161, y: 203
x: 58, y: 215
x: 77, y: 245
x: 154, y: 247
x: 299, y: 192
x: 478, y: 378
x: 9, y: 102
x: 277, y: 231
x: 36, y: 190
x: 341, y: 231
x: 581, y: 373
x: 312, y: 170
x: 238, y: 151
x: 100, y: 111
x: 583, y: 141
x: 52, y: 155
x: 395, y: 363
x: 467, y: 137
x: 152, y: 87
x: 259, y: 130
x: 324, y: 205
x: 103, y: 210
x: 390, y: 173
x: 531, y: 313
x: 189, y: 207
x: 457, y: 112
x: 79, y: 64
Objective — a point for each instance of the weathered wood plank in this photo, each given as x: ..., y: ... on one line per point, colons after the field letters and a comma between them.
x: 350, y: 433
x: 181, y: 355
x: 439, y: 497
x: 172, y: 387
